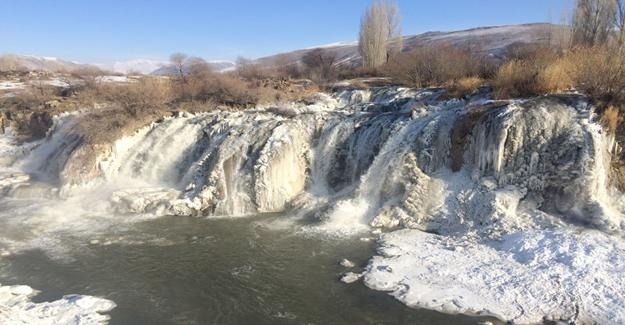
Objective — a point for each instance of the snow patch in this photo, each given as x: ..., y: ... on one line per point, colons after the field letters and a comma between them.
x: 16, y: 307
x: 11, y: 85
x: 527, y: 275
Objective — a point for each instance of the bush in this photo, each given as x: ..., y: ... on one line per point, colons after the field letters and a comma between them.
x: 530, y: 71
x: 464, y: 86
x: 517, y: 78
x: 428, y: 66
x: 610, y: 118
x: 148, y: 93
x: 320, y: 65
x: 600, y: 72
x: 557, y: 76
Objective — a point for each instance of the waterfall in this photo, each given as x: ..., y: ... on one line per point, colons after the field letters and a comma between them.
x: 490, y: 194
x: 381, y: 157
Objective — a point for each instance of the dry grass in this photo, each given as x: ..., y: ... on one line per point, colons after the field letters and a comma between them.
x: 558, y: 76
x: 464, y: 87
x: 516, y: 78
x: 599, y: 72
x: 527, y: 73
x: 428, y: 66
x: 610, y: 118
x: 146, y: 94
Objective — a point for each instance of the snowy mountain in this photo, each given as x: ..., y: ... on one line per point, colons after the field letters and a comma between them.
x: 37, y: 63
x: 144, y: 66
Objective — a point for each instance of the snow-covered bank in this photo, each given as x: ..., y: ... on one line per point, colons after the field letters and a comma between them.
x: 16, y: 307
x: 525, y: 277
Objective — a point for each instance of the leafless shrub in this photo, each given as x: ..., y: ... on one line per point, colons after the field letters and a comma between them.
x: 599, y: 71
x: 89, y: 76
x: 251, y: 70
x: 527, y: 73
x: 148, y: 93
x: 464, y: 86
x: 433, y: 66
x: 557, y: 76
x: 319, y: 65
x: 516, y: 78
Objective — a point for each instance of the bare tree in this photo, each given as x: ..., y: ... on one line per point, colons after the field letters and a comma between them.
x: 593, y: 21
x: 199, y: 76
x: 178, y: 62
x: 89, y: 76
x: 379, y: 25
x: 619, y: 21
x: 393, y: 19
x: 249, y: 69
x: 320, y: 64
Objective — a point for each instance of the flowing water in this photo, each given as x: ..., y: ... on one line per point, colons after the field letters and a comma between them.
x: 251, y: 270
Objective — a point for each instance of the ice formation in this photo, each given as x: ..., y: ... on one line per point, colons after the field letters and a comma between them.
x: 526, y: 277
x: 16, y: 307
x: 497, y: 194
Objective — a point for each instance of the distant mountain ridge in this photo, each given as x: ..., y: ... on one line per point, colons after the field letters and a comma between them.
x: 493, y: 40
x: 217, y: 65
x: 37, y: 63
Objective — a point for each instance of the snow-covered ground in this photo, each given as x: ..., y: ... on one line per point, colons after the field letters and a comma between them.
x: 115, y: 79
x: 16, y: 307
x: 11, y: 85
x: 56, y: 82
x: 558, y: 274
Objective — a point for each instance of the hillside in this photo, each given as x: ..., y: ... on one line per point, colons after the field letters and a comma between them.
x: 491, y: 40
x: 37, y: 63
x: 220, y: 66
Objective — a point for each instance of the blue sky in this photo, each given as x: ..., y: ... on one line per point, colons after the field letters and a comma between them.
x: 106, y: 31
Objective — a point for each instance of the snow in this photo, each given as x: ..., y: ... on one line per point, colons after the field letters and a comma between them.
x: 16, y: 307
x: 350, y: 277
x: 347, y: 263
x: 563, y: 274
x: 335, y: 44
x: 56, y: 82
x: 144, y: 66
x: 9, y: 85
x: 42, y: 58
x: 119, y: 79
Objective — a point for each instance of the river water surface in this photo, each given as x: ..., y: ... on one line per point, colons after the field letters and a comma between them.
x: 255, y: 270
x: 216, y: 271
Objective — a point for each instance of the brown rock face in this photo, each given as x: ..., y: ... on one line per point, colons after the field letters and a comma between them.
x: 463, y: 127
x: 32, y: 125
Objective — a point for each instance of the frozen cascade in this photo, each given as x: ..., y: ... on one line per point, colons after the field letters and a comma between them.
x: 369, y: 155
x: 472, y: 172
x: 48, y: 159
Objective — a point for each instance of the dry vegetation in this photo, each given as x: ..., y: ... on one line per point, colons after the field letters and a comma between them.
x: 429, y: 66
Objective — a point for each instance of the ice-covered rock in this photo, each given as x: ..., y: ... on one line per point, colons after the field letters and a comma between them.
x: 347, y: 263
x: 350, y: 277
x: 16, y: 307
x: 144, y: 200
